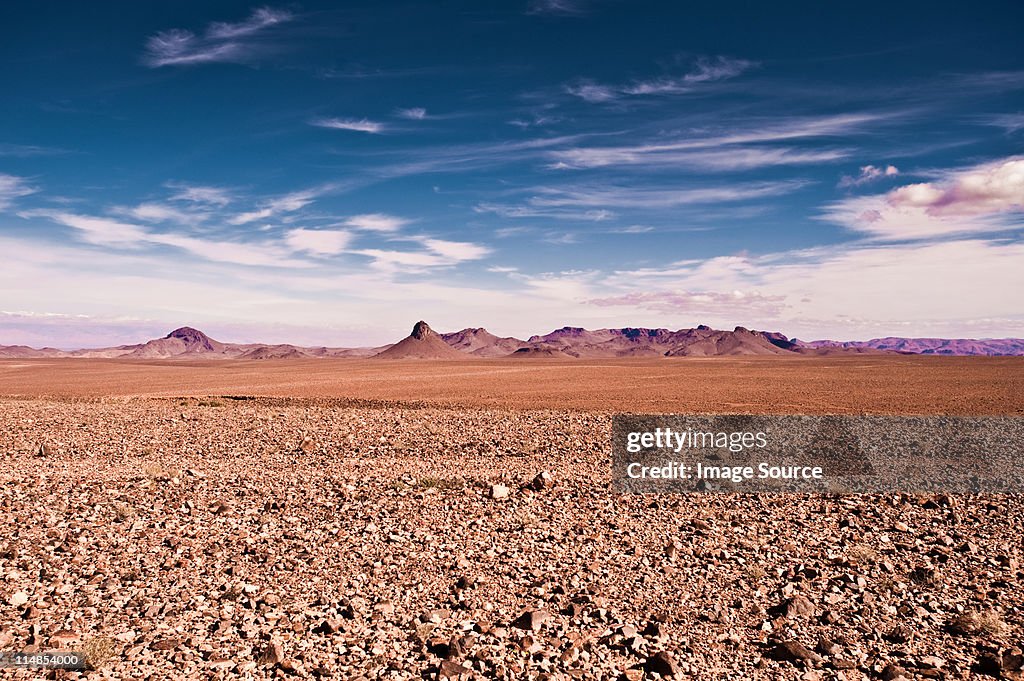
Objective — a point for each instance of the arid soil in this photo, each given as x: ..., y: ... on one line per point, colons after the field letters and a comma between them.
x: 173, y: 533
x: 810, y: 385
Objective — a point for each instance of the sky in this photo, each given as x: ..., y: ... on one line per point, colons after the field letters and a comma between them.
x: 330, y: 173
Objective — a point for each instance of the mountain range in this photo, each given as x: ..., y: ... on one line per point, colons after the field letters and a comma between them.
x: 566, y: 342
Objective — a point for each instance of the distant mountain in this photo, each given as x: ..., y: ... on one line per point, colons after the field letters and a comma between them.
x: 702, y: 341
x: 930, y: 346
x: 569, y: 341
x: 422, y: 343
x: 482, y: 343
x: 189, y: 343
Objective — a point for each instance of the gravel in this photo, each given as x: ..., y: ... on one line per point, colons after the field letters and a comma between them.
x: 263, y: 538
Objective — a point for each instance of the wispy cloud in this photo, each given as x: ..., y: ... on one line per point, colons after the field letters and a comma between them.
x: 29, y: 150
x: 456, y: 251
x: 376, y: 222
x: 215, y: 196
x: 354, y: 124
x: 592, y: 92
x: 548, y: 201
x: 159, y: 212
x: 221, y: 42
x: 912, y: 286
x: 13, y: 187
x: 532, y: 211
x: 436, y: 253
x: 751, y: 148
x: 736, y: 303
x: 287, y: 203
x: 557, y: 7
x: 704, y: 70
x: 868, y: 174
x: 103, y: 231
x: 1011, y: 123
x: 95, y: 230
x: 322, y: 242
x: 413, y: 114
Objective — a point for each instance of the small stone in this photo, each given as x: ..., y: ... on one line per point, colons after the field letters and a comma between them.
x: 793, y: 651
x: 165, y: 644
x: 892, y: 672
x: 827, y: 646
x: 531, y: 620
x: 220, y: 507
x: 798, y: 606
x: 662, y: 663
x: 542, y: 481
x: 63, y: 639
x: 307, y: 445
x: 450, y: 669
x: 270, y: 655
x: 19, y: 598
x: 499, y: 492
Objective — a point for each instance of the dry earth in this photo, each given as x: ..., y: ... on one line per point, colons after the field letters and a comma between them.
x: 175, y: 535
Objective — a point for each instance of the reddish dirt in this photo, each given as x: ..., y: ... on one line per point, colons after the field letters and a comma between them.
x: 813, y: 385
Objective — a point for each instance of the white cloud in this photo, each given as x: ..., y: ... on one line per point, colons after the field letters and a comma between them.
x: 13, y: 187
x: 705, y: 70
x: 287, y: 203
x: 414, y: 114
x: 416, y: 261
x: 158, y: 212
x: 376, y: 222
x: 984, y: 198
x: 214, y: 196
x: 318, y: 241
x: 111, y: 233
x: 556, y: 7
x: 869, y: 173
x: 437, y: 253
x: 96, y: 230
x: 357, y: 125
x: 457, y: 251
x: 222, y: 42
x: 1011, y: 123
x: 724, y: 151
x: 592, y: 92
x: 261, y: 255
x: 855, y: 291
x: 736, y: 303
x: 251, y: 216
x: 617, y: 196
x: 260, y: 19
x: 991, y: 188
x: 534, y: 211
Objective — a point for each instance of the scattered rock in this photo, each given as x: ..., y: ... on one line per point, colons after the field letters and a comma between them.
x: 793, y: 651
x: 662, y: 663
x: 531, y: 620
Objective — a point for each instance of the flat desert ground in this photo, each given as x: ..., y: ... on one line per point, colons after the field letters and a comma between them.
x: 341, y: 522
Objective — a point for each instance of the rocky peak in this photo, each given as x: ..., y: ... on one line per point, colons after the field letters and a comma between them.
x: 191, y: 337
x: 421, y: 330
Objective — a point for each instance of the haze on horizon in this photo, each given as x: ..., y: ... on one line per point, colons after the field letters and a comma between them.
x: 322, y: 174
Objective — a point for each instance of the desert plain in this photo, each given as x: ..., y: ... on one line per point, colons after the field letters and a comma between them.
x: 360, y: 519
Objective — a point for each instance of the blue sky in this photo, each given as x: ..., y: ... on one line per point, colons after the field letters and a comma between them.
x: 330, y: 173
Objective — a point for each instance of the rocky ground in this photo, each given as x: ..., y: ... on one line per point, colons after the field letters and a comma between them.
x: 254, y: 539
